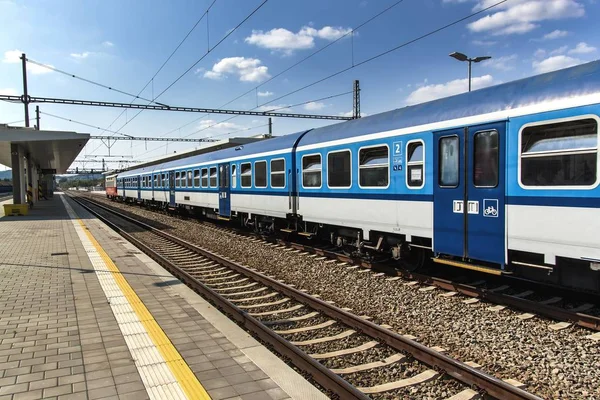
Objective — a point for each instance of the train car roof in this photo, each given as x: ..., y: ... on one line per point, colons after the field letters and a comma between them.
x: 267, y: 145
x: 576, y: 81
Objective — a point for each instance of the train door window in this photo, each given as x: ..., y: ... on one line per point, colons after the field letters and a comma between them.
x: 223, y: 177
x: 189, y: 179
x: 449, y: 162
x: 159, y: 176
x: 415, y: 164
x: 339, y: 169
x: 311, y: 171
x: 560, y: 154
x: 163, y: 180
x: 196, y: 178
x: 374, y: 167
x: 176, y: 179
x: 246, y: 174
x: 156, y: 180
x: 486, y: 154
x: 233, y: 176
x: 213, y: 177
x: 278, y: 173
x: 260, y: 174
x: 204, y: 177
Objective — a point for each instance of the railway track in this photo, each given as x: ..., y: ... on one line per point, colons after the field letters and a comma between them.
x: 345, y: 353
x: 532, y: 298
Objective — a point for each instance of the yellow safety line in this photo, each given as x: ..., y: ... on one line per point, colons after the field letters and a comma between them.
x: 180, y: 369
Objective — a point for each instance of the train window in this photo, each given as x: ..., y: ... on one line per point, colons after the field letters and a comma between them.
x: 213, y: 177
x: 339, y: 169
x: 233, y: 176
x: 260, y: 174
x: 374, y: 168
x: 189, y: 179
x: 159, y: 177
x: 415, y: 164
x: 311, y: 171
x: 560, y: 154
x: 177, y: 181
x: 278, y: 173
x: 204, y: 177
x: 486, y: 154
x: 449, y: 162
x: 164, y: 180
x: 246, y: 174
x: 196, y: 178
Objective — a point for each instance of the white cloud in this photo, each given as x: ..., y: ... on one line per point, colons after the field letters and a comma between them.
x: 522, y: 16
x: 555, y: 35
x: 12, y: 57
x: 351, y: 114
x: 560, y: 50
x: 274, y: 108
x: 484, y: 42
x: 212, y: 124
x: 432, y: 92
x: 314, y: 106
x: 199, y: 71
x: 554, y: 63
x: 505, y: 63
x: 539, y: 53
x: 283, y: 40
x: 582, y: 48
x: 248, y: 69
x: 108, y: 44
x: 265, y: 94
x: 9, y: 91
x: 81, y: 56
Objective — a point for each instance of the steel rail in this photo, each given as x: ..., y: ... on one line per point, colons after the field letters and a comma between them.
x: 471, y: 376
x: 318, y: 372
x: 548, y: 311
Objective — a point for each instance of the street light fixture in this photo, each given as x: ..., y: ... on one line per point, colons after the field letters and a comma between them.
x: 463, y: 57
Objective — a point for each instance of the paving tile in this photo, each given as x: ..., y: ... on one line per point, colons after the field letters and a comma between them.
x: 29, y: 395
x: 222, y: 393
x: 11, y: 389
x: 247, y: 387
x: 129, y: 387
x: 58, y: 390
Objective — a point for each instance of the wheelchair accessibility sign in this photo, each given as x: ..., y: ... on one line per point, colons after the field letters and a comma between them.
x: 490, y: 208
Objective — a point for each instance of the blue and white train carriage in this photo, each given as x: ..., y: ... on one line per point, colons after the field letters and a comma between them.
x: 503, y: 179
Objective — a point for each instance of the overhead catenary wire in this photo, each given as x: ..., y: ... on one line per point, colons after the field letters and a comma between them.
x: 230, y: 118
x: 201, y: 58
x: 351, y: 32
x: 91, y: 81
x: 407, y: 43
x: 354, y: 65
x: 151, y: 80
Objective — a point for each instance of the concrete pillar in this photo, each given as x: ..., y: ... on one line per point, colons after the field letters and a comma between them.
x: 17, y: 171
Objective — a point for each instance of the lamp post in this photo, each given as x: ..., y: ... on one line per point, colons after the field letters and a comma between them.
x: 462, y: 57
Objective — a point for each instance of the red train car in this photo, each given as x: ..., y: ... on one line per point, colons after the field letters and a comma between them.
x: 110, y: 183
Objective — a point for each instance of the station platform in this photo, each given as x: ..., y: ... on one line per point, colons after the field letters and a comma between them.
x: 85, y: 315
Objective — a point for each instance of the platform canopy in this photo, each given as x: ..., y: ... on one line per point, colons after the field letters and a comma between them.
x: 50, y: 150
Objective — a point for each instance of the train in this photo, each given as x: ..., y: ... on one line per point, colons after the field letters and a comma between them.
x: 502, y: 180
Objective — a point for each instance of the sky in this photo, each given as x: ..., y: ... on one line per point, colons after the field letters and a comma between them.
x: 122, y: 45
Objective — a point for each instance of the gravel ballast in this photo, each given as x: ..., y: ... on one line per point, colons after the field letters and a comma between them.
x: 553, y: 364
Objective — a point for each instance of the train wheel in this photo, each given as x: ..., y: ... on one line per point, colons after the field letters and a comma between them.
x: 413, y: 258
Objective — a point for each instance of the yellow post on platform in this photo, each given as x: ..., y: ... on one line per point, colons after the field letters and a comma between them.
x: 16, y: 209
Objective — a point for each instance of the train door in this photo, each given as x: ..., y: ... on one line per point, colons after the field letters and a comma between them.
x: 468, y: 215
x: 224, y: 191
x: 124, y: 181
x: 139, y: 187
x: 172, y: 188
